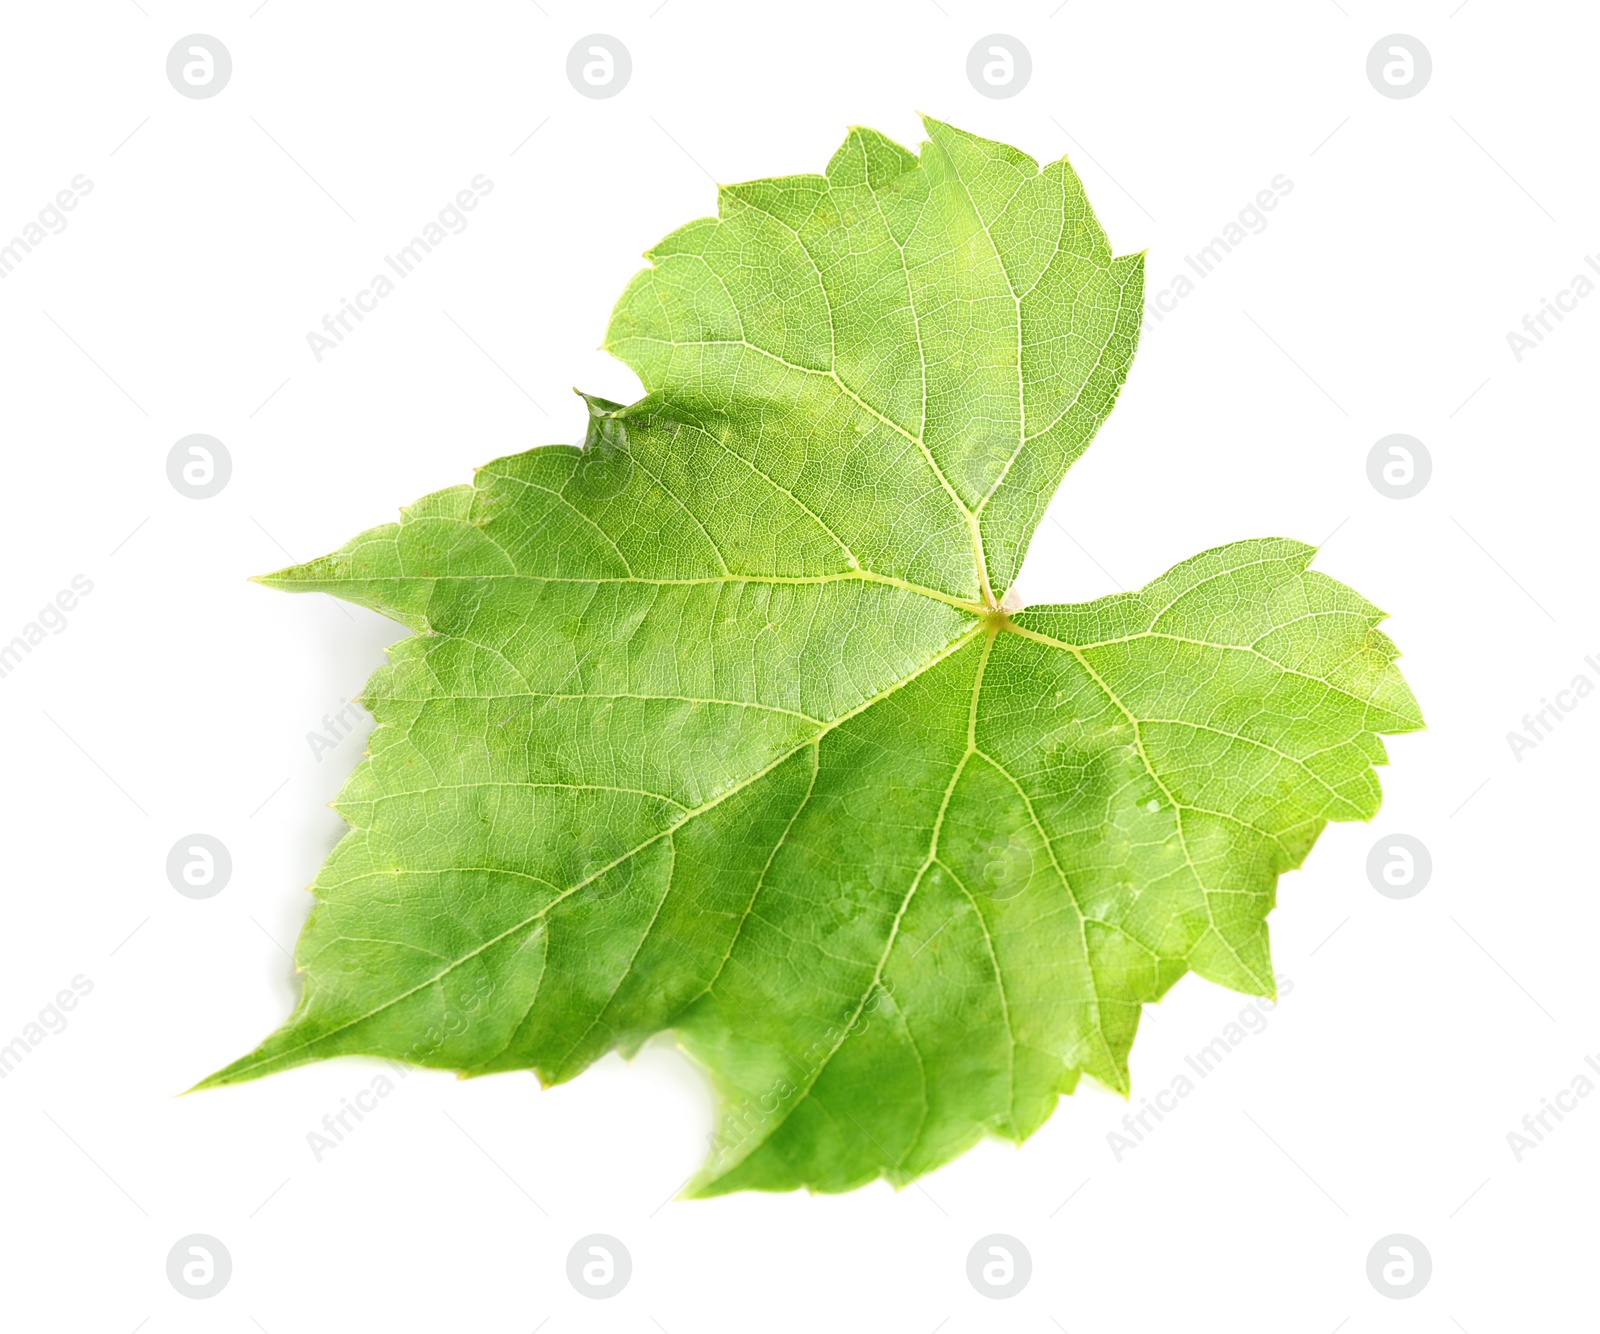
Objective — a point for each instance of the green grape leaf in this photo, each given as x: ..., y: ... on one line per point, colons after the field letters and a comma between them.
x: 722, y: 723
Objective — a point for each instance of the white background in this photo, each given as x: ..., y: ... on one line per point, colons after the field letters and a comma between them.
x: 179, y: 697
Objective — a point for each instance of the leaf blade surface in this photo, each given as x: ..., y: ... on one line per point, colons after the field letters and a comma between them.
x: 715, y: 724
